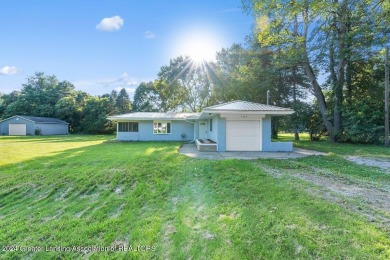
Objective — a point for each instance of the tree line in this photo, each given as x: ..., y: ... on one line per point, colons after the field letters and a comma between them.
x: 46, y: 96
x: 324, y: 59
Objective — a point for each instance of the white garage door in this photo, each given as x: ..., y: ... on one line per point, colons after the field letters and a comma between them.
x: 17, y: 129
x: 242, y: 135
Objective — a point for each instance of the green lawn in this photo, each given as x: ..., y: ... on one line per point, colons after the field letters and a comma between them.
x: 81, y: 191
x: 337, y: 148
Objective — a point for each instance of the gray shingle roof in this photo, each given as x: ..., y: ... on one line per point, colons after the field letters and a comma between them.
x: 44, y: 120
x: 154, y: 115
x: 244, y: 106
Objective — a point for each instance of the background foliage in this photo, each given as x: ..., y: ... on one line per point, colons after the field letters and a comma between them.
x: 324, y: 59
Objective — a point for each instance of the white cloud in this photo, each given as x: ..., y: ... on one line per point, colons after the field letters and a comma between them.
x: 122, y: 81
x: 110, y: 24
x: 8, y: 70
x: 149, y: 35
x: 106, y: 85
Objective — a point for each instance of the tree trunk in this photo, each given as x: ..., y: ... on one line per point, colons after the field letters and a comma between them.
x: 294, y: 72
x: 338, y: 91
x: 275, y: 127
x: 312, y: 77
x: 320, y: 98
x: 348, y: 64
x: 348, y: 80
x: 296, y: 133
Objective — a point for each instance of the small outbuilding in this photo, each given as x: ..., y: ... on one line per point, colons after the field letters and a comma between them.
x: 32, y: 125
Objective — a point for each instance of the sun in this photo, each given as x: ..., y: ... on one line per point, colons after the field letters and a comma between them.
x: 200, y: 46
x: 200, y: 49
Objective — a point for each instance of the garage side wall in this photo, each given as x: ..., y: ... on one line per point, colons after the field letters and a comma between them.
x: 53, y: 129
x: 213, y: 133
x: 4, y: 126
x: 268, y: 145
x: 221, y: 134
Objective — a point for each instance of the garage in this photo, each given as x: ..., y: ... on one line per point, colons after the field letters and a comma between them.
x: 243, y: 135
x: 17, y: 129
x: 32, y: 125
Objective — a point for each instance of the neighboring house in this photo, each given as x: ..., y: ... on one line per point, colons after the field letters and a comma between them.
x: 30, y: 125
x: 233, y: 126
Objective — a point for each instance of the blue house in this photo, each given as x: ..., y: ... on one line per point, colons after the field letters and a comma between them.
x: 30, y: 125
x: 233, y: 126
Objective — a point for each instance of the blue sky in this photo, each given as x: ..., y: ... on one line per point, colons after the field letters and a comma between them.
x: 70, y: 39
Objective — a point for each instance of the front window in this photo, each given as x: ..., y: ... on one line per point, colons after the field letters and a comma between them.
x: 127, y: 127
x: 161, y: 127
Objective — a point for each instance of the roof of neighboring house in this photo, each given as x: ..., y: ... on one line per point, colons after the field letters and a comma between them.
x: 244, y: 106
x: 41, y: 120
x: 154, y: 115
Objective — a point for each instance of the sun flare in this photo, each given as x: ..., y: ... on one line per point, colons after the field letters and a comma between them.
x: 200, y: 49
x: 199, y: 46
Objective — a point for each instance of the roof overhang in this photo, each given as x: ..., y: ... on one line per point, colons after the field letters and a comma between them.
x: 249, y: 112
x: 36, y: 122
x: 125, y: 119
x: 17, y: 117
x: 51, y: 123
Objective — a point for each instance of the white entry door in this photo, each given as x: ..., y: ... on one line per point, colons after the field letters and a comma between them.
x: 17, y: 129
x: 243, y: 135
x: 202, y: 129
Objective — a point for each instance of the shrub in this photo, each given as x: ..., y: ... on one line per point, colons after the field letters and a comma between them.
x: 38, y: 131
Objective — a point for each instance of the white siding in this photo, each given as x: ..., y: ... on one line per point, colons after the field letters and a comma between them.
x: 52, y: 129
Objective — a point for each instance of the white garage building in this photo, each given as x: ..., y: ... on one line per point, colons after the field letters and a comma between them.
x: 30, y: 125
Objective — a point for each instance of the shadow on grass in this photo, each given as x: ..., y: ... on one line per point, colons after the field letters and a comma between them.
x: 57, y: 138
x: 89, y: 195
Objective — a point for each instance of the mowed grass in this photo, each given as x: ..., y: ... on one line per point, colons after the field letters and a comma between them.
x: 80, y: 191
x: 325, y: 145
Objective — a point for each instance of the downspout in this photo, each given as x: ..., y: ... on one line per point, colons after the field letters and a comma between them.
x: 268, y: 97
x: 117, y: 128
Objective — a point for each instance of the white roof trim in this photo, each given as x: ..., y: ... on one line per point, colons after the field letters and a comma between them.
x: 244, y: 106
x: 145, y: 119
x: 264, y: 112
x: 16, y: 116
x: 143, y: 116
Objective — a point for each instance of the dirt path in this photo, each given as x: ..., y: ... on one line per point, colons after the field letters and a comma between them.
x: 382, y: 163
x: 366, y: 199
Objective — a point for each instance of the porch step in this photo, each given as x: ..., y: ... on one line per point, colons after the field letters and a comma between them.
x: 205, y: 147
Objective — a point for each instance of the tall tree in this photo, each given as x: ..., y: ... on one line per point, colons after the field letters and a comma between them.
x: 326, y: 35
x: 187, y: 82
x: 123, y: 103
x: 7, y: 100
x: 95, y: 116
x: 39, y: 96
x: 146, y: 98
x: 66, y: 109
